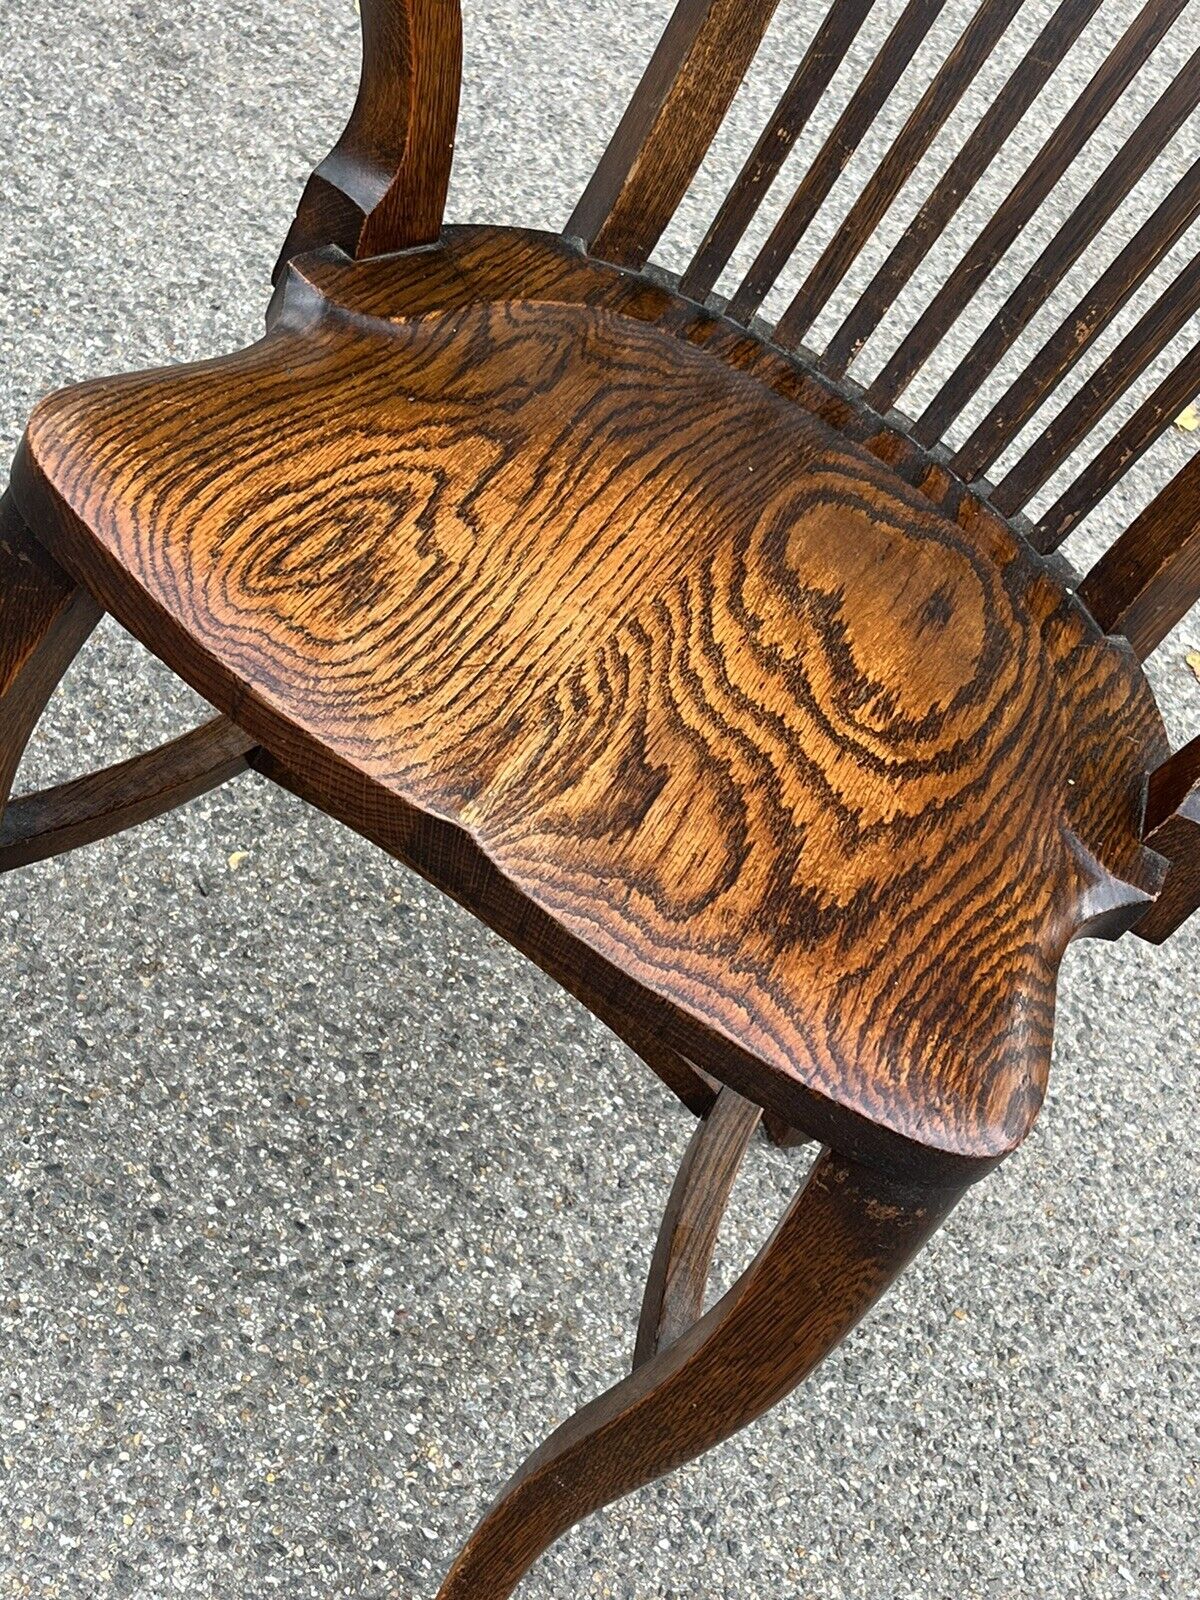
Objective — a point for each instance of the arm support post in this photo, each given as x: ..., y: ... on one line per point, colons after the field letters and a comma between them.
x: 383, y: 185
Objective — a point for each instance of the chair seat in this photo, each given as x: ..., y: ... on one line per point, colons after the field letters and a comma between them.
x: 649, y: 666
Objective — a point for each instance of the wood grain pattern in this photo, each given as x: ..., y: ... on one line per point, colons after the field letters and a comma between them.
x: 845, y: 1238
x: 52, y: 821
x: 687, y: 1239
x: 1173, y: 831
x: 796, y: 770
x: 383, y: 185
x: 663, y: 137
x: 667, y: 155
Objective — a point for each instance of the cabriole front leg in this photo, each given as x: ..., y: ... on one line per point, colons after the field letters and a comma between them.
x: 845, y: 1238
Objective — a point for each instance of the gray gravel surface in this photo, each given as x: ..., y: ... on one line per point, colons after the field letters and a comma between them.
x: 320, y: 1206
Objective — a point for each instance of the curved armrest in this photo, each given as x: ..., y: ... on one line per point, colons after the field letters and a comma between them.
x: 383, y: 185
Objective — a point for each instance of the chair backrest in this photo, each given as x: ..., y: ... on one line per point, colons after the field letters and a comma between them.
x: 383, y: 187
x: 677, y: 111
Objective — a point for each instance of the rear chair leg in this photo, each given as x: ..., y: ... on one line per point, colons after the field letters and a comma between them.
x: 687, y: 1238
x: 845, y: 1238
x: 45, y: 616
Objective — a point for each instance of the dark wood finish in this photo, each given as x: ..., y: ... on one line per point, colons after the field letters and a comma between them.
x: 1048, y: 167
x: 1075, y: 337
x: 1149, y: 579
x: 718, y: 693
x: 694, y: 1088
x: 663, y: 137
x: 925, y: 121
x: 783, y: 1136
x: 846, y: 1237
x: 1095, y: 397
x: 894, y: 708
x: 1173, y: 830
x: 679, y: 1270
x: 800, y: 99
x: 959, y: 180
x: 44, y: 619
x: 383, y: 185
x: 794, y: 221
x: 38, y: 826
x: 1131, y: 161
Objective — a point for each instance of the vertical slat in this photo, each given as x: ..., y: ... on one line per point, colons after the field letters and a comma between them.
x: 672, y: 119
x: 1094, y: 398
x: 1122, y: 452
x: 1052, y: 161
x: 1069, y: 343
x: 801, y: 97
x: 864, y: 105
x: 927, y: 118
x: 1132, y: 160
x: 1150, y: 578
x: 960, y: 178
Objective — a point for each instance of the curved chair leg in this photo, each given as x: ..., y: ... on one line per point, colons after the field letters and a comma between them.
x: 45, y: 616
x: 844, y: 1239
x: 679, y: 1271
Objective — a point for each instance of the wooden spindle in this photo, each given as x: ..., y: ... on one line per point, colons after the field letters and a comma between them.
x: 671, y: 121
x: 800, y: 99
x: 926, y: 120
x: 1150, y: 578
x: 1088, y: 406
x: 1132, y: 160
x: 1078, y: 332
x: 1022, y: 88
x: 1044, y: 172
x: 1127, y: 446
x: 851, y: 127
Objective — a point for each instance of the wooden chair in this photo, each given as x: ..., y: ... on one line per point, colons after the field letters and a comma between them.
x: 758, y: 716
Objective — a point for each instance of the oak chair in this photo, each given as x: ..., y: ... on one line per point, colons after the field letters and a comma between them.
x: 761, y: 717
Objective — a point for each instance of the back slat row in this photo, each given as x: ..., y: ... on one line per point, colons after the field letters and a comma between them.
x: 1144, y: 34
x: 959, y: 180
x: 925, y: 122
x: 685, y: 97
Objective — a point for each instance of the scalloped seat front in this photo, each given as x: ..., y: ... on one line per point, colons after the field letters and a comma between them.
x: 577, y: 614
